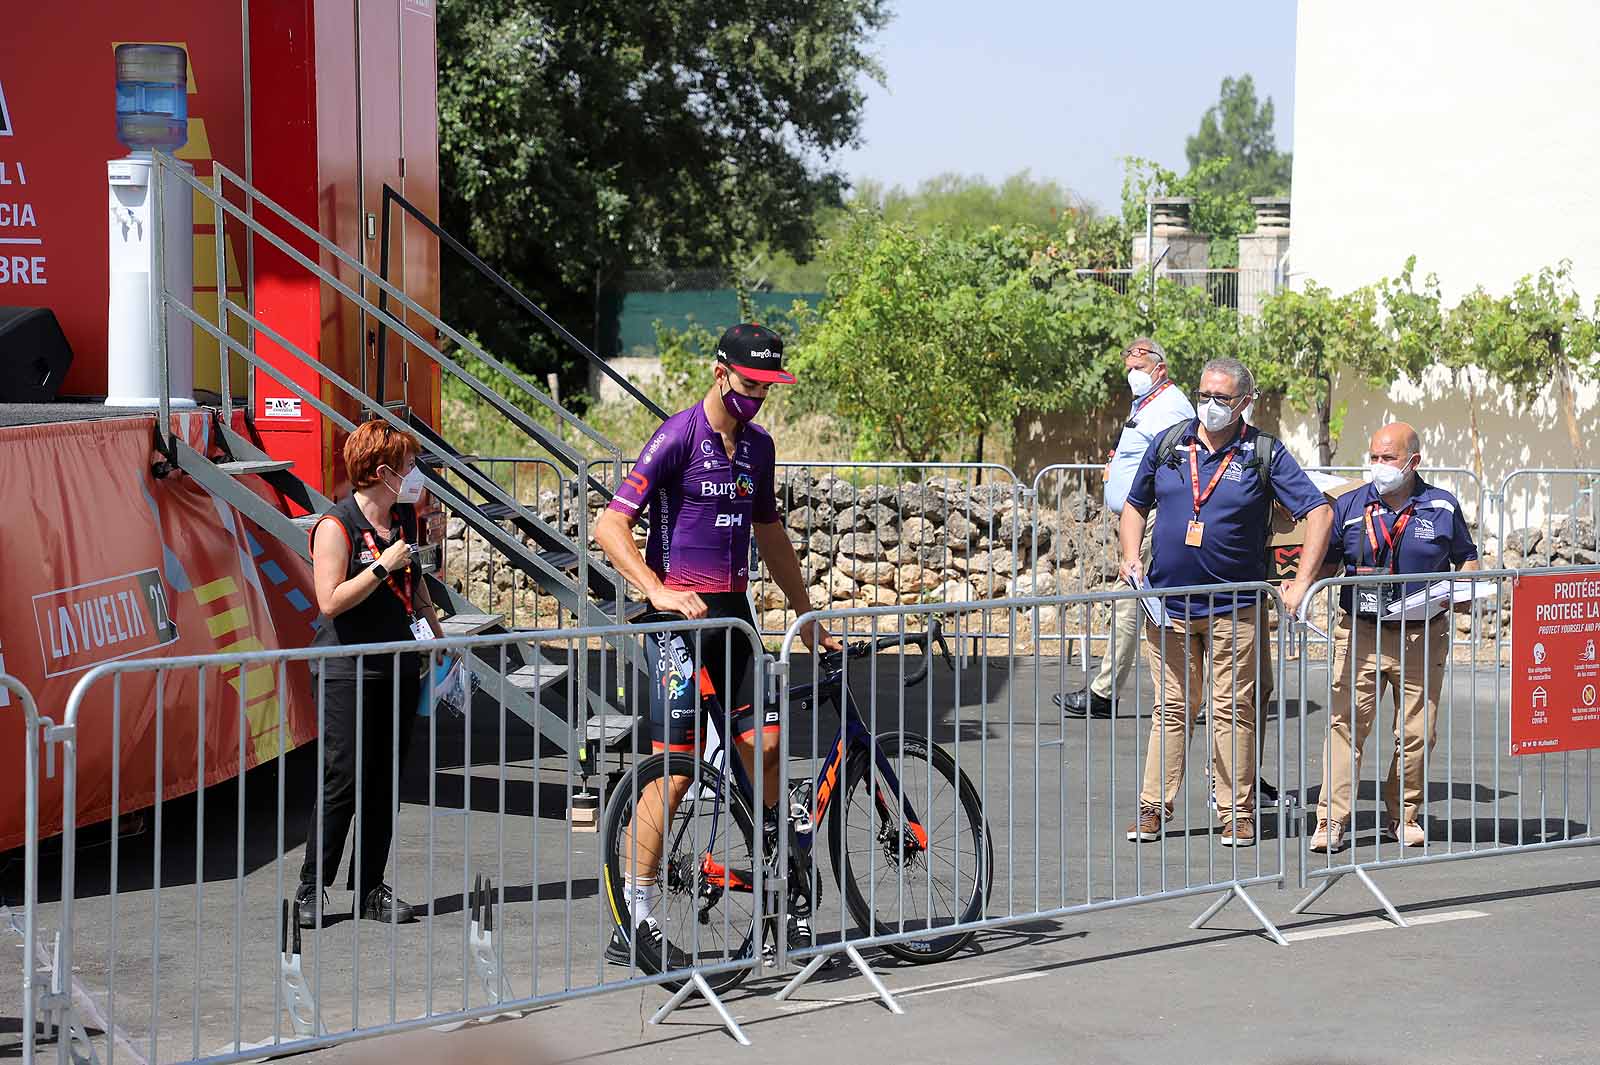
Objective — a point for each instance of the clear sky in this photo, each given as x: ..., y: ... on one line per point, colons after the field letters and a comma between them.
x: 1061, y: 87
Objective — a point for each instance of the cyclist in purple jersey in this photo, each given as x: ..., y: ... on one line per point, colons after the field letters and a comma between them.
x: 703, y: 499
x: 706, y: 478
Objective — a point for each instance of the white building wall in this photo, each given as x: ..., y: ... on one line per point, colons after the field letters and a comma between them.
x: 1461, y: 131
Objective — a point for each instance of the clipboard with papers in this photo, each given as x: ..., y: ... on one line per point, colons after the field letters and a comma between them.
x: 1439, y: 596
x: 1154, y: 608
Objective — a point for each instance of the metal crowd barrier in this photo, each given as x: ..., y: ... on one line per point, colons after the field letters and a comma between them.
x: 176, y: 915
x: 1069, y: 509
x: 1442, y: 758
x: 482, y: 573
x: 1548, y: 517
x: 953, y: 797
x: 880, y: 534
x: 873, y: 534
x: 944, y: 777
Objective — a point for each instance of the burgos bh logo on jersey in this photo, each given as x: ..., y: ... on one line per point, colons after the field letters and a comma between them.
x: 744, y: 485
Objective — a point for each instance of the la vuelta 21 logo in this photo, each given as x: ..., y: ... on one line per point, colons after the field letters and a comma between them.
x: 102, y: 621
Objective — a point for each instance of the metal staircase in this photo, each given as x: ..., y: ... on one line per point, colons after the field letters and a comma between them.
x: 588, y: 591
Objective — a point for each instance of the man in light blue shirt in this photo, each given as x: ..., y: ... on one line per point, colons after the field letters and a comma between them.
x: 1157, y: 403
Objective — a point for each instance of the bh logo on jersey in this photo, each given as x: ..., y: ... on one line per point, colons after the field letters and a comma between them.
x: 744, y: 485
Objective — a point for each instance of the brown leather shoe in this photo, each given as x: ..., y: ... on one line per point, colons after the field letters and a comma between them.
x: 1148, y: 828
x: 1239, y: 833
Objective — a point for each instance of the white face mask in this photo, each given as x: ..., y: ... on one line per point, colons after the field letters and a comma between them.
x: 1140, y: 382
x: 1386, y: 478
x: 1215, y: 416
x: 410, y: 486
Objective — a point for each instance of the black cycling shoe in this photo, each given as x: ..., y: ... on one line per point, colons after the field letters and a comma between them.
x: 800, y: 938
x: 1266, y: 793
x: 382, y: 905
x: 305, y: 905
x: 619, y: 951
x: 1082, y: 703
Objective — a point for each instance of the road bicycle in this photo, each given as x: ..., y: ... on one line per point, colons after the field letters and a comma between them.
x: 910, y: 848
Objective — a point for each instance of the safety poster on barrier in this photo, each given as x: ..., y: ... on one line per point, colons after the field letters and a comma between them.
x: 1555, y: 664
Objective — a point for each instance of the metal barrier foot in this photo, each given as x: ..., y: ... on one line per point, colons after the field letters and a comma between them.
x: 1244, y: 896
x: 1383, y: 900
x: 872, y: 978
x: 801, y: 977
x: 862, y: 967
x: 1317, y: 893
x: 1366, y: 879
x: 696, y: 982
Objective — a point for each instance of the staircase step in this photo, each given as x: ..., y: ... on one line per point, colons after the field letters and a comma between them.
x: 470, y: 624
x: 247, y: 467
x: 609, y: 729
x: 537, y: 675
x: 631, y: 609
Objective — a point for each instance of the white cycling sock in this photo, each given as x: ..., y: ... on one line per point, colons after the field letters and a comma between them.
x: 641, y: 896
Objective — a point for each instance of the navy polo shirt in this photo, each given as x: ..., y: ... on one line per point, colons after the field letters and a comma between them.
x: 1435, y: 538
x: 1236, y: 517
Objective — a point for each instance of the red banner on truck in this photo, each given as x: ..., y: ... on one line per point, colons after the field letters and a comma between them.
x: 106, y: 562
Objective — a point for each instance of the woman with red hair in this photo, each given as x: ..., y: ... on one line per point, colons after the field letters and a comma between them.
x: 368, y: 591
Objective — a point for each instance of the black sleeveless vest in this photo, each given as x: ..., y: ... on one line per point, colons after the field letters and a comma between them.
x: 381, y: 616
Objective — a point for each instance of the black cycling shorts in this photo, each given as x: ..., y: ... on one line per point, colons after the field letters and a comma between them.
x: 690, y: 672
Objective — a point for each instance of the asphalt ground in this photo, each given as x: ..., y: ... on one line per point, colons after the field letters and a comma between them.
x: 1495, y: 967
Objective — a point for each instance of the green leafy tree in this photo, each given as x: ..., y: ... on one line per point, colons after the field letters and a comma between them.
x: 1232, y: 156
x: 1220, y: 213
x: 1308, y: 338
x: 959, y: 202
x: 576, y: 140
x: 925, y: 341
x: 1425, y: 333
x: 1237, y: 130
x: 1537, y: 338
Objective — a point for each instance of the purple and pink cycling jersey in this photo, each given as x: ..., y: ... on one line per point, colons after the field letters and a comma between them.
x: 702, y: 503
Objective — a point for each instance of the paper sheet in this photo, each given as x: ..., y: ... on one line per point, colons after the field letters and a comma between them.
x: 1154, y: 609
x: 1420, y: 606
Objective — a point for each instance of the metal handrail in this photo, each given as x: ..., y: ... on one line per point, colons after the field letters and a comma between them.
x: 390, y: 195
x: 385, y: 287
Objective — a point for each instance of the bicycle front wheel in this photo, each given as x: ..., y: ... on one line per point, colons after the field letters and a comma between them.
x: 701, y: 860
x: 910, y: 847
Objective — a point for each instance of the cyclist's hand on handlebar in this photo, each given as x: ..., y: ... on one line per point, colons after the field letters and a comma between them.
x: 690, y: 605
x: 814, y: 634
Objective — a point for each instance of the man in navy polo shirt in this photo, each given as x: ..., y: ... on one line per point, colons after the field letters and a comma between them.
x: 1213, y: 510
x: 1398, y: 523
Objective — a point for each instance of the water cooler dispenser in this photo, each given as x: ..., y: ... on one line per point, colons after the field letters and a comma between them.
x: 152, y: 114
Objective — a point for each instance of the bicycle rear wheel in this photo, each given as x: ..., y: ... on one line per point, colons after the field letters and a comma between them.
x: 706, y: 908
x: 898, y: 876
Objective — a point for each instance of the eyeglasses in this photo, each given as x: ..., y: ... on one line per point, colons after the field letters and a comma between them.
x: 1220, y: 397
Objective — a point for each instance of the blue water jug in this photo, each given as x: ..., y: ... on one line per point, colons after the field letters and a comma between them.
x: 152, y: 96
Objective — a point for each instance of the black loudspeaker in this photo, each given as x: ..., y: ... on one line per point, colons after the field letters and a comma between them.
x: 34, y: 355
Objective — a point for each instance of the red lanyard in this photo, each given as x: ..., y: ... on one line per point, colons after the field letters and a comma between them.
x: 404, y: 592
x: 1390, y: 540
x: 1145, y: 402
x: 1194, y: 476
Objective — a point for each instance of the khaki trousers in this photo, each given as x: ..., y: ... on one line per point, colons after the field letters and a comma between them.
x: 1426, y: 650
x: 1213, y: 657
x: 1124, y: 650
